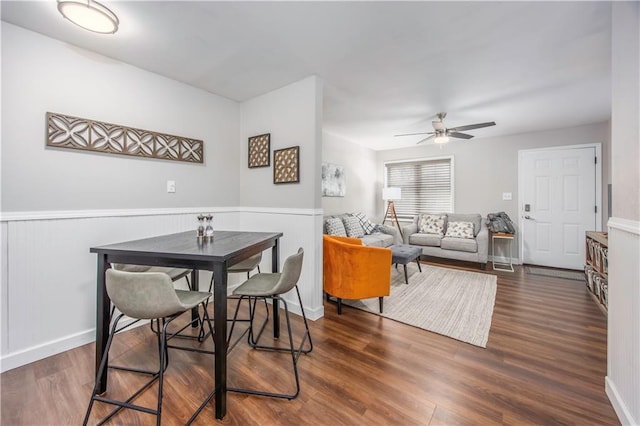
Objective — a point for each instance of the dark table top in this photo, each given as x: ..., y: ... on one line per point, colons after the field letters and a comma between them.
x: 226, y: 245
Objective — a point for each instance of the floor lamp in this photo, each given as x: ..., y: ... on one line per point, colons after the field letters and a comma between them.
x: 390, y: 194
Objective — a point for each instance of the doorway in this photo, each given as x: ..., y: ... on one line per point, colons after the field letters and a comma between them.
x: 560, y: 198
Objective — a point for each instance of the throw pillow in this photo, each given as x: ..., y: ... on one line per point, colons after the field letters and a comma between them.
x: 431, y: 224
x: 352, y: 225
x: 366, y: 224
x: 334, y: 226
x: 460, y: 230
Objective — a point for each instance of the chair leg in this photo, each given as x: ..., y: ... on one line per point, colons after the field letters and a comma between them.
x: 339, y: 305
x: 120, y: 404
x: 295, y: 353
x: 103, y: 364
x: 380, y: 302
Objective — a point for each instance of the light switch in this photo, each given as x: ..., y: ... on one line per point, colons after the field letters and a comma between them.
x: 171, y: 186
x: 506, y: 196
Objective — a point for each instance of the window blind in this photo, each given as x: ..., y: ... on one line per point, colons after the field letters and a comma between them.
x: 427, y: 186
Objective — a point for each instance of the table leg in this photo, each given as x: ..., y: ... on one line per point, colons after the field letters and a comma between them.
x: 220, y: 337
x: 275, y: 265
x: 103, y: 311
x: 195, y: 286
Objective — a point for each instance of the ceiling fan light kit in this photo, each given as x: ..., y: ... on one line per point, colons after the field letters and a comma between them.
x: 90, y: 15
x: 441, y: 133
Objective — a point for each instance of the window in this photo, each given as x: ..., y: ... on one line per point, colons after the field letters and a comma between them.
x: 427, y: 185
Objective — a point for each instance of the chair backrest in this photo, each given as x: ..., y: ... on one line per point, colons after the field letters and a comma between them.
x: 290, y: 273
x: 246, y: 265
x: 143, y: 295
x: 130, y: 268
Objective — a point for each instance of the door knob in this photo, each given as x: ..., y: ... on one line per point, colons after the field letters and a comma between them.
x: 529, y: 217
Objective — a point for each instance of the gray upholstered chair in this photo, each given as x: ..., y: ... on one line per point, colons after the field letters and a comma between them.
x: 144, y: 296
x: 247, y: 265
x: 273, y: 286
x: 175, y: 274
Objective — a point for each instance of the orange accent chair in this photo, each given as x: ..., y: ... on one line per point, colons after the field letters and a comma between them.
x: 354, y: 271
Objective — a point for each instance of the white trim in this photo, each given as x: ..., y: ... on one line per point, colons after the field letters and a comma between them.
x: 626, y: 225
x: 416, y: 160
x: 598, y: 148
x: 618, y: 404
x: 84, y: 214
x: 35, y: 353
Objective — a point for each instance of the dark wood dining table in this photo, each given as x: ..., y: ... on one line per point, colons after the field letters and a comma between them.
x: 185, y: 250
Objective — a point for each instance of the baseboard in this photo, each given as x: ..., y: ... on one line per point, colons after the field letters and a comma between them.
x: 618, y: 404
x: 45, y: 350
x: 36, y: 353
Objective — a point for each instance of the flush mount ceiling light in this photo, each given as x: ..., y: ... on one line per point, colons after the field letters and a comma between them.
x: 89, y: 15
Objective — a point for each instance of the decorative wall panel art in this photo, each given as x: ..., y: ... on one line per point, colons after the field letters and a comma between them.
x: 333, y: 180
x: 259, y: 154
x: 65, y: 131
x: 286, y: 167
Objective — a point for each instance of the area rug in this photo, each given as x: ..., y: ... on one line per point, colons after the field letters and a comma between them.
x: 454, y: 303
x: 558, y: 273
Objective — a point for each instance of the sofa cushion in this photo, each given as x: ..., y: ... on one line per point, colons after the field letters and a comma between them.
x: 459, y: 230
x: 459, y: 244
x: 334, y: 226
x: 476, y: 219
x: 431, y: 224
x: 366, y: 224
x: 377, y: 239
x: 352, y: 226
x: 431, y: 240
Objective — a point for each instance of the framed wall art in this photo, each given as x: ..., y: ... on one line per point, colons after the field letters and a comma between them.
x: 259, y: 150
x: 333, y: 180
x: 286, y: 165
x: 66, y: 131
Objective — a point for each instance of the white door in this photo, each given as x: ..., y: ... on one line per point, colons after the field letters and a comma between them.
x: 557, y: 205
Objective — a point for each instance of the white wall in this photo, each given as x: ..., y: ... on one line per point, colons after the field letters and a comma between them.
x: 623, y: 339
x: 40, y: 74
x: 360, y: 169
x: 487, y: 167
x: 56, y: 203
x: 293, y: 117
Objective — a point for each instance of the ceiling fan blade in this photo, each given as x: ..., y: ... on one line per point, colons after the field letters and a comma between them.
x: 473, y: 126
x: 426, y: 139
x: 414, y: 134
x: 459, y: 135
x: 438, y: 125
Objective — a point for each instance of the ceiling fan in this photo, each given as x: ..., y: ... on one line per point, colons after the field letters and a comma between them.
x: 441, y: 134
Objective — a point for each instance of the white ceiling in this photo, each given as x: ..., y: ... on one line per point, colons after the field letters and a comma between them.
x: 387, y: 67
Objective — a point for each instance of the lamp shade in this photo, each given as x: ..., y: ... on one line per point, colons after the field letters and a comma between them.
x: 391, y: 193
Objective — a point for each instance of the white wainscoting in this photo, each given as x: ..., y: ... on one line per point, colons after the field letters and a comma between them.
x: 47, y: 300
x: 623, y: 336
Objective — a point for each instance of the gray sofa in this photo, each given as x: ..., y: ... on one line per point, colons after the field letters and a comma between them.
x: 474, y: 249
x: 385, y: 236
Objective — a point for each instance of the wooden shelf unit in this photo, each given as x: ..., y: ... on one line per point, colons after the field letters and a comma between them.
x: 596, y: 267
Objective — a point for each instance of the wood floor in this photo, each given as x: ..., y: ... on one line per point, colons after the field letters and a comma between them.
x: 544, y: 364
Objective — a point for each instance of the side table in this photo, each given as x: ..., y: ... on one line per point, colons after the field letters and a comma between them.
x: 502, y: 236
